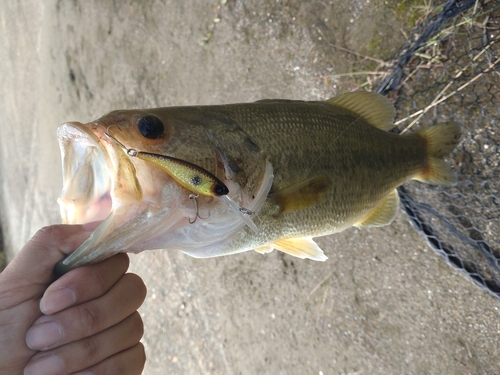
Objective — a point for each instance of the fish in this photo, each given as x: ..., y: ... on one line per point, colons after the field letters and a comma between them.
x: 223, y: 179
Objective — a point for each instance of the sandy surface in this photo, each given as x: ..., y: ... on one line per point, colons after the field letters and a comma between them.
x: 383, y: 303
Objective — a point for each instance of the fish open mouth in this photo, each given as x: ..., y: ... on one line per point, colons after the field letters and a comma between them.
x: 87, y: 175
x: 99, y: 184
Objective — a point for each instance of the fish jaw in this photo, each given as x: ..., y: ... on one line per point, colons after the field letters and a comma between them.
x: 99, y: 184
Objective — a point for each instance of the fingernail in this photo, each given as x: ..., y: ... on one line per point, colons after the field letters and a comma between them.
x: 57, y: 300
x: 43, y: 335
x: 48, y: 365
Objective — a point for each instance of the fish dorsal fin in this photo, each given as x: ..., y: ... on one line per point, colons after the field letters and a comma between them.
x: 374, y: 108
x: 303, y: 248
x: 301, y: 195
x: 383, y: 213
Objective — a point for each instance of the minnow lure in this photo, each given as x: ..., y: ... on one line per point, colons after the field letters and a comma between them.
x: 192, y: 177
x: 188, y: 175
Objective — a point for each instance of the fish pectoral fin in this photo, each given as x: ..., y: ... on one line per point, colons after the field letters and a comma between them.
x: 374, y: 108
x: 383, y: 214
x: 303, y: 248
x: 302, y: 194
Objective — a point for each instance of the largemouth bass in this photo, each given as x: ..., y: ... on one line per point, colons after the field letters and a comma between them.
x: 219, y: 180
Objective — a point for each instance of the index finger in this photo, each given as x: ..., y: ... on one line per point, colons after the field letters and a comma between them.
x: 33, y: 265
x: 83, y: 284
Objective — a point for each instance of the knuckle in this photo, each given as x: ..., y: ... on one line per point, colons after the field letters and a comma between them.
x: 99, y: 280
x: 44, y: 230
x: 124, y: 259
x: 137, y: 326
x: 53, y: 235
x: 47, y: 232
x: 142, y: 355
x: 50, y: 231
x: 91, y: 348
x: 137, y: 283
x: 90, y: 318
x: 137, y: 357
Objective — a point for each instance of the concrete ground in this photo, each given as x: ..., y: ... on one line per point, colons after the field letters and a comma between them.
x: 383, y: 303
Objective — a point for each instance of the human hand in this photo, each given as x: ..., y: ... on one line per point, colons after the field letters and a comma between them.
x: 86, y: 320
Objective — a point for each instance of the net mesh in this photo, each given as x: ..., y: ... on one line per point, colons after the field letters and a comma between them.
x: 450, y: 70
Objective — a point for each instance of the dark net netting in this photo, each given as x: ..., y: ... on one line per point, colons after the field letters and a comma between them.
x: 450, y: 71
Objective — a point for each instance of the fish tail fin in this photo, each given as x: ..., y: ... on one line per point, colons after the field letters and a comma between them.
x: 440, y: 141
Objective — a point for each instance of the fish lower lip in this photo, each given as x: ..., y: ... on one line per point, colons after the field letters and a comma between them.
x: 86, y: 176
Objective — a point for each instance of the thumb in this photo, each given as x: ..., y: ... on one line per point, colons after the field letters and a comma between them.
x: 36, y: 260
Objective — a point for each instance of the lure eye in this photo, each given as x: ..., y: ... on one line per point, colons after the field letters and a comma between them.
x: 150, y: 127
x: 221, y: 189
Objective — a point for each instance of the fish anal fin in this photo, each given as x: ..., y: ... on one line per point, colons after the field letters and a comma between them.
x: 301, y: 195
x: 303, y: 248
x: 383, y: 214
x: 374, y: 108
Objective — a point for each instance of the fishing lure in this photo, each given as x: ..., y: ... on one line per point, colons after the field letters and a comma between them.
x: 192, y: 177
x: 188, y: 175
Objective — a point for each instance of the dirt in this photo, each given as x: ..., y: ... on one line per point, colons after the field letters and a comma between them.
x: 383, y: 303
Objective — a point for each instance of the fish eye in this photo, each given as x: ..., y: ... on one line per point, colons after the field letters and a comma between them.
x: 150, y: 127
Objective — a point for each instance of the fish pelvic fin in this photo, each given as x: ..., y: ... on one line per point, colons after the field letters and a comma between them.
x: 440, y: 140
x: 264, y: 249
x: 383, y: 214
x: 303, y: 194
x: 303, y: 248
x: 374, y: 108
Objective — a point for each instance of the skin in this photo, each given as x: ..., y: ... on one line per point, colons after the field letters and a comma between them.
x: 93, y: 326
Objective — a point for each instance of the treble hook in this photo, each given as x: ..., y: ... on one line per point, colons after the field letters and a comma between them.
x: 195, y: 197
x: 130, y: 151
x: 246, y: 211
